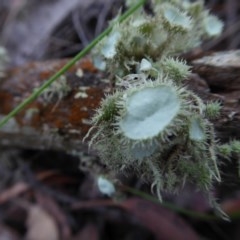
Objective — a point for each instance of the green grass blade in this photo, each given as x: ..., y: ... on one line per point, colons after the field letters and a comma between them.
x: 54, y: 77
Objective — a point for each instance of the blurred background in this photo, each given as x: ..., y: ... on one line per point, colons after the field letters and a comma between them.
x: 36, y: 30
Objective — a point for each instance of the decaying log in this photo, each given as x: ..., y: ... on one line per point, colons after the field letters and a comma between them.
x: 221, y: 71
x: 58, y: 124
x: 61, y: 124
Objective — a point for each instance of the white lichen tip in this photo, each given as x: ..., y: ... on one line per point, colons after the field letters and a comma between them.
x: 213, y: 26
x: 145, y: 65
x: 149, y: 111
x: 109, y: 48
x: 175, y: 19
x: 99, y: 62
x: 138, y: 22
x: 105, y: 186
x: 196, y: 130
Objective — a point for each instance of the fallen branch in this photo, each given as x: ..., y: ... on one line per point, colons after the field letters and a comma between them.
x: 60, y: 123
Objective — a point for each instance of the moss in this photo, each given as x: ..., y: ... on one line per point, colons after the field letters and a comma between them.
x: 153, y: 124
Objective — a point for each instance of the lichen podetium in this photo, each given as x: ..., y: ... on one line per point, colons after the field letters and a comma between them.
x: 152, y: 123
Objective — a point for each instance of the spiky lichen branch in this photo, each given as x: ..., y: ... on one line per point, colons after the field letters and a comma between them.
x: 153, y: 123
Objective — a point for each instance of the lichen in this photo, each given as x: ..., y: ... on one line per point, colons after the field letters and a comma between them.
x: 174, y: 27
x: 158, y: 129
x: 56, y: 91
x: 153, y: 124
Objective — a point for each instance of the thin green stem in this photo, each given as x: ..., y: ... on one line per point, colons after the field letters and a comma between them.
x: 190, y: 213
x: 54, y: 77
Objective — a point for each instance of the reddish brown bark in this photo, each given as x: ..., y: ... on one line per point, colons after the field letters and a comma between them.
x: 62, y: 126
x: 59, y: 125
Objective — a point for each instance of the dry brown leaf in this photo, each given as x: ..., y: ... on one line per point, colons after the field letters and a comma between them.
x: 163, y: 223
x: 41, y: 225
x: 51, y: 206
x: 7, y: 233
x: 13, y: 192
x: 89, y: 232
